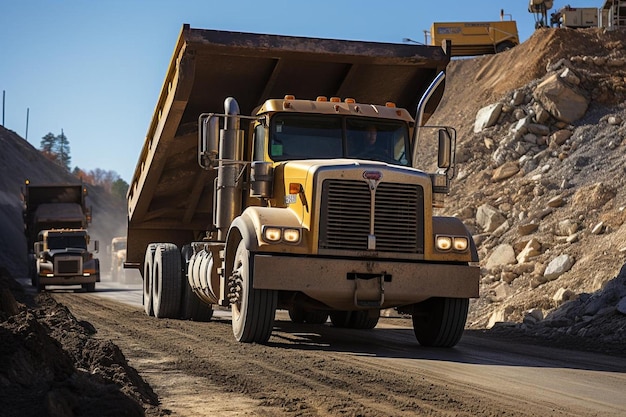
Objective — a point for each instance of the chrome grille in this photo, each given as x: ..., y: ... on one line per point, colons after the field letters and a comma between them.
x: 68, y: 265
x: 346, y: 211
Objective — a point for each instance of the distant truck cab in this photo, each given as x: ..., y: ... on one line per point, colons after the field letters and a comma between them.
x: 118, y: 257
x: 476, y: 38
x: 63, y: 258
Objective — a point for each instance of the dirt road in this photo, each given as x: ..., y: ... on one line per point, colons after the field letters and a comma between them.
x: 197, y: 369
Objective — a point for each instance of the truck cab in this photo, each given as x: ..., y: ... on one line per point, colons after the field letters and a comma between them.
x: 63, y: 258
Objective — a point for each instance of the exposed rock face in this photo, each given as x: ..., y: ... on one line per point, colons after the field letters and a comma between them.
x: 546, y: 179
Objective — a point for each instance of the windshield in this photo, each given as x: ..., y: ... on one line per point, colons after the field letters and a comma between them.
x: 62, y: 242
x: 328, y: 137
x: 119, y: 245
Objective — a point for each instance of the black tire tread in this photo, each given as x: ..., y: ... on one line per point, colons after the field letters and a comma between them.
x: 166, y: 295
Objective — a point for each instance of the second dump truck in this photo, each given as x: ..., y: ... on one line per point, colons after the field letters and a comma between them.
x: 284, y: 172
x: 55, y: 221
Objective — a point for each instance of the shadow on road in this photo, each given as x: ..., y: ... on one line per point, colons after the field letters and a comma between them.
x: 476, y: 347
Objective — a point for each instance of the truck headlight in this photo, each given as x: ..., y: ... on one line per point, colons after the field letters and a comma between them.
x: 460, y: 244
x: 273, y: 234
x: 291, y: 235
x: 457, y: 243
x: 444, y: 243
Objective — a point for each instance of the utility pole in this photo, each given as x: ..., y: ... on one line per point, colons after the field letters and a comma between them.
x: 27, y: 113
x: 3, y: 94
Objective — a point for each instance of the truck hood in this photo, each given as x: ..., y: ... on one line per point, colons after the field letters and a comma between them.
x: 67, y: 251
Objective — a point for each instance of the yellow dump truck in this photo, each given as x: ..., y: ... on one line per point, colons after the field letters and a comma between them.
x: 55, y: 218
x: 117, y: 253
x: 476, y: 38
x: 280, y: 172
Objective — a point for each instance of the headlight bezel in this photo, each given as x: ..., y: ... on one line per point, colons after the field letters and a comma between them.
x: 452, y: 243
x: 281, y: 234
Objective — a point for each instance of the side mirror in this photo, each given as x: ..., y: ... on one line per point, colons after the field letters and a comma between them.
x: 444, y: 157
x: 96, y: 246
x: 38, y: 248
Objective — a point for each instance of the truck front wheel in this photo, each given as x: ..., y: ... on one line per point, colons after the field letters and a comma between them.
x: 253, y: 310
x: 439, y: 322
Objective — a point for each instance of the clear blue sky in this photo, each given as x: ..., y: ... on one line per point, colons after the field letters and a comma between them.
x: 95, y: 68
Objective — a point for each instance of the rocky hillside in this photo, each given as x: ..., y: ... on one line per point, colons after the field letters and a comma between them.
x: 541, y: 181
x: 19, y: 161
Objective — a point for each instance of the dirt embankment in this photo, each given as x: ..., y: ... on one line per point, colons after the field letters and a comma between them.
x: 51, y: 365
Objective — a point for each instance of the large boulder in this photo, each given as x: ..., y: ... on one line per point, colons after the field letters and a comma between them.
x: 566, y: 103
x: 487, y: 116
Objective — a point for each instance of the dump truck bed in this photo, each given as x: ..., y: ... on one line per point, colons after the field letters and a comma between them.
x: 53, y: 206
x: 170, y: 196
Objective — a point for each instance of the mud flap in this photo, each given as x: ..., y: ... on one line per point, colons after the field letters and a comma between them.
x: 369, y: 289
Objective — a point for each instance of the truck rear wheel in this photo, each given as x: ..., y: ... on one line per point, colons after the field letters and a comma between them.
x: 301, y: 315
x: 166, y: 281
x: 90, y: 287
x: 361, y: 319
x: 252, y: 310
x: 147, y: 278
x: 439, y: 322
x: 192, y: 307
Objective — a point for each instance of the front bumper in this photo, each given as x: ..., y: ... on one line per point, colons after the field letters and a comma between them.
x: 344, y: 283
x: 67, y: 280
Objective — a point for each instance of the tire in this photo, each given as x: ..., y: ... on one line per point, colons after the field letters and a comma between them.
x: 439, y: 322
x: 32, y: 270
x: 360, y: 319
x: 296, y: 315
x: 504, y: 46
x: 300, y: 315
x: 38, y: 285
x: 91, y: 287
x: 148, y: 270
x: 191, y: 307
x: 253, y: 310
x: 97, y: 262
x: 166, y: 281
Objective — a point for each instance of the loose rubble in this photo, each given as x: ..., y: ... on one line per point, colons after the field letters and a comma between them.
x: 541, y: 185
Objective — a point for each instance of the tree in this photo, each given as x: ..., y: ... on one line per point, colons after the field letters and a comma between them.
x: 57, y: 149
x: 63, y: 149
x: 47, y: 146
x: 119, y: 188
